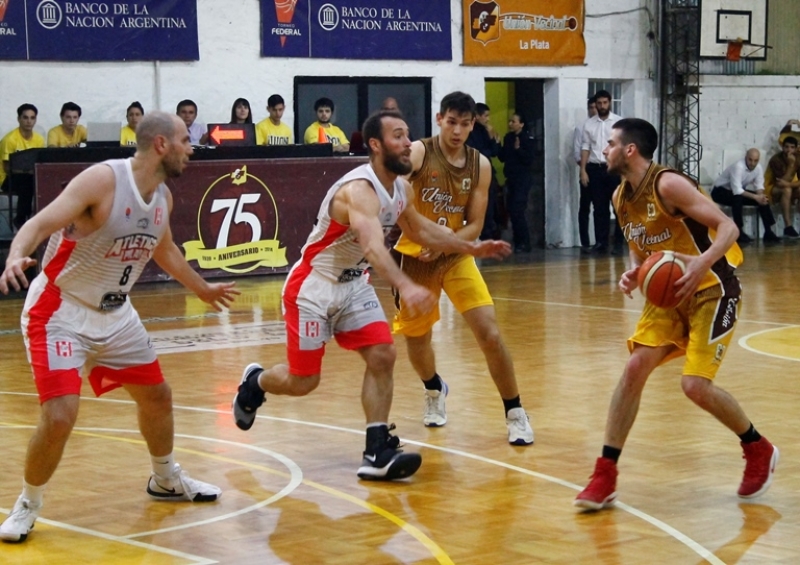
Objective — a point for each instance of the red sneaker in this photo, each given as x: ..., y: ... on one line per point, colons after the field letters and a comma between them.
x: 601, y: 491
x: 761, y: 457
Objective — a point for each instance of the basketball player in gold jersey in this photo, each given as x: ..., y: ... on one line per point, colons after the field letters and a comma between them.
x: 451, y: 183
x: 660, y: 209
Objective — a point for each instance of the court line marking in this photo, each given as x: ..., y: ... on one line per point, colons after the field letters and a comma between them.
x: 296, y: 479
x: 744, y: 345
x: 653, y: 521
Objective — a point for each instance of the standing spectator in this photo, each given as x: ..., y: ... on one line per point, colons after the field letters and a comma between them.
x: 783, y: 185
x: 486, y: 140
x: 517, y: 155
x: 271, y: 130
x: 21, y: 182
x: 323, y: 127
x: 78, y: 320
x: 585, y: 199
x: 70, y: 133
x: 595, y: 175
x: 240, y: 112
x: 187, y: 111
x: 134, y: 115
x: 743, y: 184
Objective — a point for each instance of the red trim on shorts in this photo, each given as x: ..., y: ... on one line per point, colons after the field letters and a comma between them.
x: 49, y: 383
x: 301, y: 363
x: 104, y: 379
x: 376, y: 333
x: 53, y: 384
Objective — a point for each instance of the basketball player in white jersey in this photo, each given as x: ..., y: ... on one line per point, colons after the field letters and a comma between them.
x: 327, y: 293
x: 104, y: 227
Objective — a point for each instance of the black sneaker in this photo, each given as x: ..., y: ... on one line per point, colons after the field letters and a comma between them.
x: 245, y: 403
x: 789, y: 231
x: 388, y: 463
x: 770, y: 237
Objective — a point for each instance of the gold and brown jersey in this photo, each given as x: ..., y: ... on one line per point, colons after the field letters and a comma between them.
x: 442, y: 190
x: 649, y: 227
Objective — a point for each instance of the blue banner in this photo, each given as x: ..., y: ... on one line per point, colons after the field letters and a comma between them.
x: 123, y: 30
x: 356, y: 29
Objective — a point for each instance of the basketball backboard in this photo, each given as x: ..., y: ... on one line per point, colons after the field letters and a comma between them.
x: 733, y: 21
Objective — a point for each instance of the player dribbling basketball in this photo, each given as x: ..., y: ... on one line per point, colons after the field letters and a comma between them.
x: 659, y: 209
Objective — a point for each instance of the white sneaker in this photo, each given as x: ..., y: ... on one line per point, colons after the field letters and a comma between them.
x: 520, y: 431
x: 20, y: 522
x: 181, y: 487
x: 435, y: 414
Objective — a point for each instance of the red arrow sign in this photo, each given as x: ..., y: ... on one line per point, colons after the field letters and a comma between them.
x: 219, y: 134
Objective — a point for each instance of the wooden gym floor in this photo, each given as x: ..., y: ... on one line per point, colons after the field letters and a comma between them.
x: 291, y: 495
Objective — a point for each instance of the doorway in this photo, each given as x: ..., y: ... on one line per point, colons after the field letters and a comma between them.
x: 505, y: 97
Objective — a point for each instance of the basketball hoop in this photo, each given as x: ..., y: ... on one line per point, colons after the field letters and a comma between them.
x: 734, y: 52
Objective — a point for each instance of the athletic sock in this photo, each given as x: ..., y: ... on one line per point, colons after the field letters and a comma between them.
x: 163, y: 466
x: 611, y: 453
x: 511, y: 403
x: 32, y: 493
x: 434, y: 383
x: 750, y: 436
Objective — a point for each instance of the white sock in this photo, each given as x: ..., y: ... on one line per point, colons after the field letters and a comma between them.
x: 163, y: 466
x: 32, y: 493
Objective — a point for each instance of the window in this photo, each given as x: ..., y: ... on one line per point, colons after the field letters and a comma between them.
x: 355, y: 98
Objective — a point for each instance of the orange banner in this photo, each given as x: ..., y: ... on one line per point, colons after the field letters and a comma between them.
x: 523, y: 32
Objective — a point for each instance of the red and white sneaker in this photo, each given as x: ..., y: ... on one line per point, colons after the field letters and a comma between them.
x: 601, y: 492
x: 761, y: 457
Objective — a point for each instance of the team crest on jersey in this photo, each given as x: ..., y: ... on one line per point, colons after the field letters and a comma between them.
x: 159, y: 216
x: 133, y: 247
x: 142, y: 223
x: 466, y: 185
x: 434, y: 176
x: 127, y: 214
x: 651, y: 211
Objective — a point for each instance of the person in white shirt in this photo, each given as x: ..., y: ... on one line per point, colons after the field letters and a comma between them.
x: 585, y: 202
x: 742, y: 184
x: 594, y: 173
x: 187, y: 111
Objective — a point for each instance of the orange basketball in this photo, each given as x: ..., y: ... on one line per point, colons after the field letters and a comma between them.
x: 657, y: 276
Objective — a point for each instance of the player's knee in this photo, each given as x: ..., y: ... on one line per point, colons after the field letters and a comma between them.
x: 696, y: 389
x: 489, y: 337
x: 381, y: 358
x: 57, y: 424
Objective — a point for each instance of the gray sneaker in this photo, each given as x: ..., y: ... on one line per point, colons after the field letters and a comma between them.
x: 181, y: 487
x: 20, y: 522
x: 435, y: 414
x: 520, y: 431
x: 244, y: 406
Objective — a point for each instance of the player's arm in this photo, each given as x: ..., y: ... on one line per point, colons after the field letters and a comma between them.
x: 680, y: 196
x: 630, y: 278
x: 169, y: 257
x: 439, y: 238
x: 357, y: 205
x: 475, y: 213
x: 80, y: 199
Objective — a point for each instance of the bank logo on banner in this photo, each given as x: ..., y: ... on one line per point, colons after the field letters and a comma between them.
x: 48, y: 14
x: 484, y: 16
x: 232, y: 226
x: 328, y: 17
x: 284, y: 9
x: 3, y: 6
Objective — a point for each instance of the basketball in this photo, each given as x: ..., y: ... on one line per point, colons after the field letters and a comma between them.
x: 657, y: 276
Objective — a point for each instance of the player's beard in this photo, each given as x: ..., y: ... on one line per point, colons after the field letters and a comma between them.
x: 395, y: 165
x: 172, y: 167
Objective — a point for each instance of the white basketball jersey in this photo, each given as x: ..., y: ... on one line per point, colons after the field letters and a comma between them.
x: 100, y: 269
x: 332, y: 249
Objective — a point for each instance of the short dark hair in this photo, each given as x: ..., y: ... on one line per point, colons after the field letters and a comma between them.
x: 602, y: 94
x: 789, y: 139
x: 274, y: 100
x: 592, y: 100
x: 459, y: 102
x: 521, y: 117
x: 373, y: 126
x: 134, y: 105
x: 639, y: 132
x: 186, y: 102
x: 70, y: 107
x: 481, y: 108
x: 324, y: 103
x: 26, y: 107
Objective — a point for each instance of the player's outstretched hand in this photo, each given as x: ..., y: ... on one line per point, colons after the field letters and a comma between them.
x: 219, y: 295
x: 13, y: 277
x: 492, y: 249
x: 629, y: 281
x: 417, y: 300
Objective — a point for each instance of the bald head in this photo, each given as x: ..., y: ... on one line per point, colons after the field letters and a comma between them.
x: 752, y: 158
x: 155, y: 124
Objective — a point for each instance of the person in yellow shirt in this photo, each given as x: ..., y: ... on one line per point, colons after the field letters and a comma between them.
x: 134, y: 115
x: 271, y: 130
x: 70, y: 133
x: 20, y: 139
x: 324, y: 109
